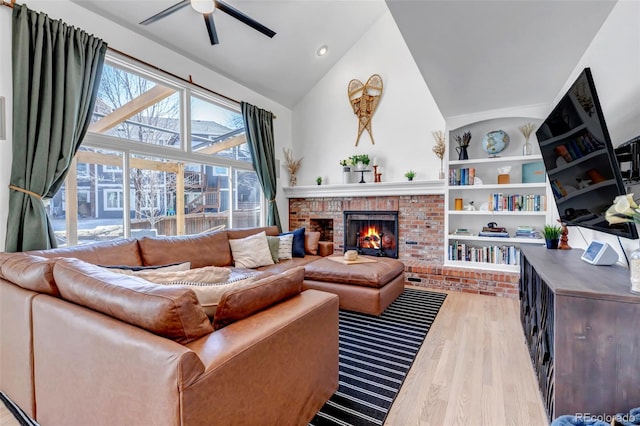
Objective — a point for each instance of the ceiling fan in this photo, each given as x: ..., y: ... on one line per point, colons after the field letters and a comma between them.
x: 207, y: 7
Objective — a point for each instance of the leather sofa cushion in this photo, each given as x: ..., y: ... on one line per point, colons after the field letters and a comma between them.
x: 168, y: 311
x: 311, y: 240
x: 243, y: 233
x: 245, y: 301
x: 33, y: 273
x: 375, y: 275
x: 208, y: 249
x: 114, y: 252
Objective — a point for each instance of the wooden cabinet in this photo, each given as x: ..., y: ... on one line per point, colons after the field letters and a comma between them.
x: 582, y: 327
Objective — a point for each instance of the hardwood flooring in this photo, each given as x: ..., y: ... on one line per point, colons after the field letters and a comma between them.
x: 473, y: 369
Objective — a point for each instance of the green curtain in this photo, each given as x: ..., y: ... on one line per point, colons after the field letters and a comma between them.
x: 56, y: 74
x: 258, y: 124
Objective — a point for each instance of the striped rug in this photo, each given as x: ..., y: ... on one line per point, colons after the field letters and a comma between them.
x: 375, y: 356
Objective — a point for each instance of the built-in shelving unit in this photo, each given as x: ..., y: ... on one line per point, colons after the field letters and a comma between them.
x: 485, y: 168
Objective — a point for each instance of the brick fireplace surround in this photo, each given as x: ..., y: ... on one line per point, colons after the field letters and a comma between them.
x: 421, y: 230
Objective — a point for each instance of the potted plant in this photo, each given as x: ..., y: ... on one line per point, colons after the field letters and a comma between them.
x: 552, y: 235
x: 360, y: 160
x: 346, y: 165
x: 319, y: 180
x: 410, y: 175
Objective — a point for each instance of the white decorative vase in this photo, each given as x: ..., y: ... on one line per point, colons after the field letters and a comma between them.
x: 346, y: 174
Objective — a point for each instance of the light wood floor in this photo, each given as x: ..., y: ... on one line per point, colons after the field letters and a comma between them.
x: 473, y: 369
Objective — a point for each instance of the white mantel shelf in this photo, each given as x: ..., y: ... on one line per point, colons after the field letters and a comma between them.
x: 427, y: 187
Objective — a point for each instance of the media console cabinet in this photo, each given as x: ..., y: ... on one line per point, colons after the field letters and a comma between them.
x: 582, y: 326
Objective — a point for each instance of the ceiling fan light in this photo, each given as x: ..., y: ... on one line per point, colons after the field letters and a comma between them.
x: 203, y: 6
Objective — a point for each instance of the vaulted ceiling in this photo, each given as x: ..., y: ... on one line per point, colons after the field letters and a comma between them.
x: 475, y: 55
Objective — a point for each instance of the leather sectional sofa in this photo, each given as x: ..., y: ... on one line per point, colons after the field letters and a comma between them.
x: 84, y: 345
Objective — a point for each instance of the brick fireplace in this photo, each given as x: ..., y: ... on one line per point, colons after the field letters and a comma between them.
x: 420, y: 242
x: 420, y: 221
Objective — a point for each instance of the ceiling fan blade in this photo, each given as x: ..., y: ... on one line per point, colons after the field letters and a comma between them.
x: 211, y: 28
x: 230, y: 10
x: 168, y: 11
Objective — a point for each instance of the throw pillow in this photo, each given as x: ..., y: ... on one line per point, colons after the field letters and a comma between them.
x: 274, y: 246
x: 285, y: 251
x: 252, y: 251
x: 311, y: 240
x: 243, y: 302
x: 298, y: 242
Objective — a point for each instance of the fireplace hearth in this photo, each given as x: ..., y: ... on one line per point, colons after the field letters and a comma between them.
x: 373, y: 233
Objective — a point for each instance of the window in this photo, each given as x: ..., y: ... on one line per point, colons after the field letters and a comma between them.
x: 134, y: 174
x: 113, y: 199
x: 133, y: 107
x: 218, y: 131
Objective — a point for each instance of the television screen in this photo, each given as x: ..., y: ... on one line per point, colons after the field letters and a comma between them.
x: 579, y: 159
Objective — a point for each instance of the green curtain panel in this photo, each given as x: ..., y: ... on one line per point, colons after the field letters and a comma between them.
x: 56, y: 74
x: 258, y: 124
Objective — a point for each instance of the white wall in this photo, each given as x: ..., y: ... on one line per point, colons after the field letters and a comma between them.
x: 325, y: 127
x: 614, y: 59
x: 137, y: 46
x: 5, y: 145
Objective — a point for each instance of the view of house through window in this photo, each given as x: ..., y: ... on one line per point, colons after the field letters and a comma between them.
x: 142, y: 171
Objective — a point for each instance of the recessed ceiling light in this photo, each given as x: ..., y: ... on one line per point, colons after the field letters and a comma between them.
x: 322, y: 50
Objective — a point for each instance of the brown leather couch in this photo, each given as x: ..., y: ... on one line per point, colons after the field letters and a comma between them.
x: 82, y: 345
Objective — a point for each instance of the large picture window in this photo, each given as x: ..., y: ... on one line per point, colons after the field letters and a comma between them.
x: 135, y: 175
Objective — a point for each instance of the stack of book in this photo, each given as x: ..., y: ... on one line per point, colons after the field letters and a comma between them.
x: 494, y: 232
x: 527, y: 232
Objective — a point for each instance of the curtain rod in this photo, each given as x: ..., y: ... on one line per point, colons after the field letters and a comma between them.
x: 126, y: 55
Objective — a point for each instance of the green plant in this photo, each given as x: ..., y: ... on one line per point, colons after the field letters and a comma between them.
x: 552, y: 232
x: 360, y: 158
x: 346, y: 163
x: 319, y: 180
x: 410, y: 174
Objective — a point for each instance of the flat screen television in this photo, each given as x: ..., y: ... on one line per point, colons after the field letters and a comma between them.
x: 580, y: 161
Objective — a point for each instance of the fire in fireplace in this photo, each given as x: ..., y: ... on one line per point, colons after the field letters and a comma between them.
x: 372, y: 233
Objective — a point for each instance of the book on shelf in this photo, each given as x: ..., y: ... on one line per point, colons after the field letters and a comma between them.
x: 462, y: 231
x: 502, y: 255
x: 516, y: 202
x: 493, y: 234
x: 462, y: 176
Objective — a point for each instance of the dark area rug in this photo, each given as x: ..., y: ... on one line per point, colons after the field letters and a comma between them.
x: 376, y: 354
x: 20, y: 416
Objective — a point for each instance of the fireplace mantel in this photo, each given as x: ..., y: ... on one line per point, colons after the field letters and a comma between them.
x: 428, y: 187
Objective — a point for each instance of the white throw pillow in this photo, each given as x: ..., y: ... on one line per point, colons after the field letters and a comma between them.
x: 285, y: 251
x: 252, y: 251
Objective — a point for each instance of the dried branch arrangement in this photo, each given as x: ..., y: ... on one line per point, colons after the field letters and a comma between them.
x: 439, y: 148
x: 526, y: 130
x: 292, y: 166
x: 463, y: 140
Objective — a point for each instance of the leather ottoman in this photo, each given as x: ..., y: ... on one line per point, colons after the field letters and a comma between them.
x: 362, y: 287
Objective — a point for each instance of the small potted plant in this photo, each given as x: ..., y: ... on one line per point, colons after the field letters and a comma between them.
x: 360, y: 161
x: 319, y: 180
x: 410, y: 175
x: 552, y: 235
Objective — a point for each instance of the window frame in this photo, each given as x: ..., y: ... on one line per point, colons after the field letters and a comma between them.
x: 184, y: 154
